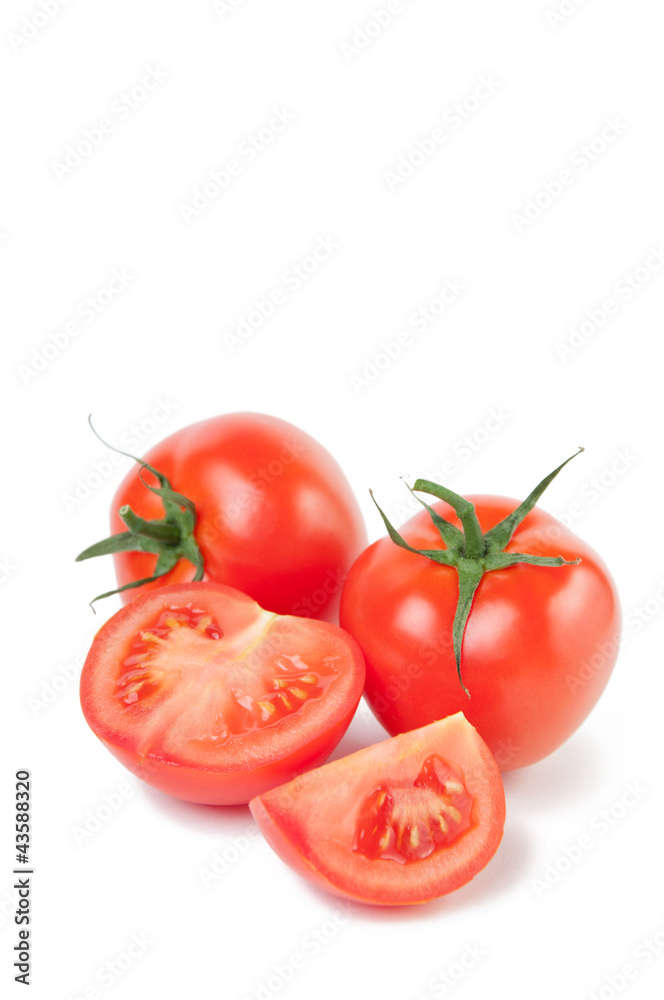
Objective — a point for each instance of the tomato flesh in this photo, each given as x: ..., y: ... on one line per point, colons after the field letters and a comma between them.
x: 404, y: 821
x: 248, y: 699
x: 408, y: 824
x: 204, y: 694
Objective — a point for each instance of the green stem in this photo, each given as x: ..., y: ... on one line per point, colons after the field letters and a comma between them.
x: 168, y: 533
x: 471, y: 528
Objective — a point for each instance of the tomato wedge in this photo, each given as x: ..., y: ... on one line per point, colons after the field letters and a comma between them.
x: 403, y: 821
x: 204, y: 695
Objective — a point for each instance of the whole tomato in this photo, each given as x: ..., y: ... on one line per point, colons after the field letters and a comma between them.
x: 522, y: 645
x: 243, y: 499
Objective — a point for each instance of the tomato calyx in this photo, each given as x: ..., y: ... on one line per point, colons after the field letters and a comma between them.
x: 469, y: 550
x: 170, y: 538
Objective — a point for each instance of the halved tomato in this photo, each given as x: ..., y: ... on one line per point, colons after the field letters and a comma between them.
x: 204, y: 695
x: 403, y: 821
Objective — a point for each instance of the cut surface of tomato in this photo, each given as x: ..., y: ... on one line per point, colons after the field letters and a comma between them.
x: 205, y: 695
x: 404, y: 821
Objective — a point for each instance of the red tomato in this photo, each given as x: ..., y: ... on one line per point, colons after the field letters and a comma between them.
x: 206, y: 696
x: 404, y: 821
x: 276, y: 517
x: 538, y: 648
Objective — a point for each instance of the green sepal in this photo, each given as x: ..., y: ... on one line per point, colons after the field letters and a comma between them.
x: 160, y: 531
x: 470, y: 573
x: 125, y: 541
x: 189, y: 550
x: 170, y: 538
x: 165, y: 564
x: 173, y: 502
x: 503, y: 560
x: 449, y: 533
x: 498, y: 537
x: 438, y: 555
x: 465, y: 511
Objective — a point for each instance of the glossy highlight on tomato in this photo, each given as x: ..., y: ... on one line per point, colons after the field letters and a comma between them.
x: 403, y: 821
x: 206, y: 696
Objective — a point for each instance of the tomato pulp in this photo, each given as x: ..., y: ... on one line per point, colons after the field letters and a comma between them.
x: 538, y: 649
x: 206, y: 696
x: 404, y: 821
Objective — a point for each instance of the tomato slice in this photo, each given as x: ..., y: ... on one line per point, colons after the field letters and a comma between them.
x: 206, y: 696
x: 403, y: 821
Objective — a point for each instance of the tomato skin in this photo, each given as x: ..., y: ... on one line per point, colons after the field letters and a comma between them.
x: 236, y: 787
x: 251, y: 762
x: 530, y: 642
x: 306, y: 821
x: 276, y: 516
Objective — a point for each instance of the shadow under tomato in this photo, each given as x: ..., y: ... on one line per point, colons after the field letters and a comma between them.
x: 364, y: 731
x: 231, y: 819
x: 569, y: 774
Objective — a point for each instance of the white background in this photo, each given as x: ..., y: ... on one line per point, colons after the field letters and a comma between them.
x: 355, y: 112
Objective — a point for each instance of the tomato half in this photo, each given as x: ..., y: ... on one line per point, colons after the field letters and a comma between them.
x: 206, y: 696
x: 404, y: 821
x: 275, y: 515
x: 538, y: 649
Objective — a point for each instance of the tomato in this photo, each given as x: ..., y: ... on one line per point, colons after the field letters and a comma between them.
x: 206, y: 696
x: 404, y: 821
x: 539, y: 643
x: 271, y: 513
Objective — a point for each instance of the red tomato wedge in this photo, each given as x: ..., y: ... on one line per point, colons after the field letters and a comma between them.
x: 403, y: 821
x: 206, y: 696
